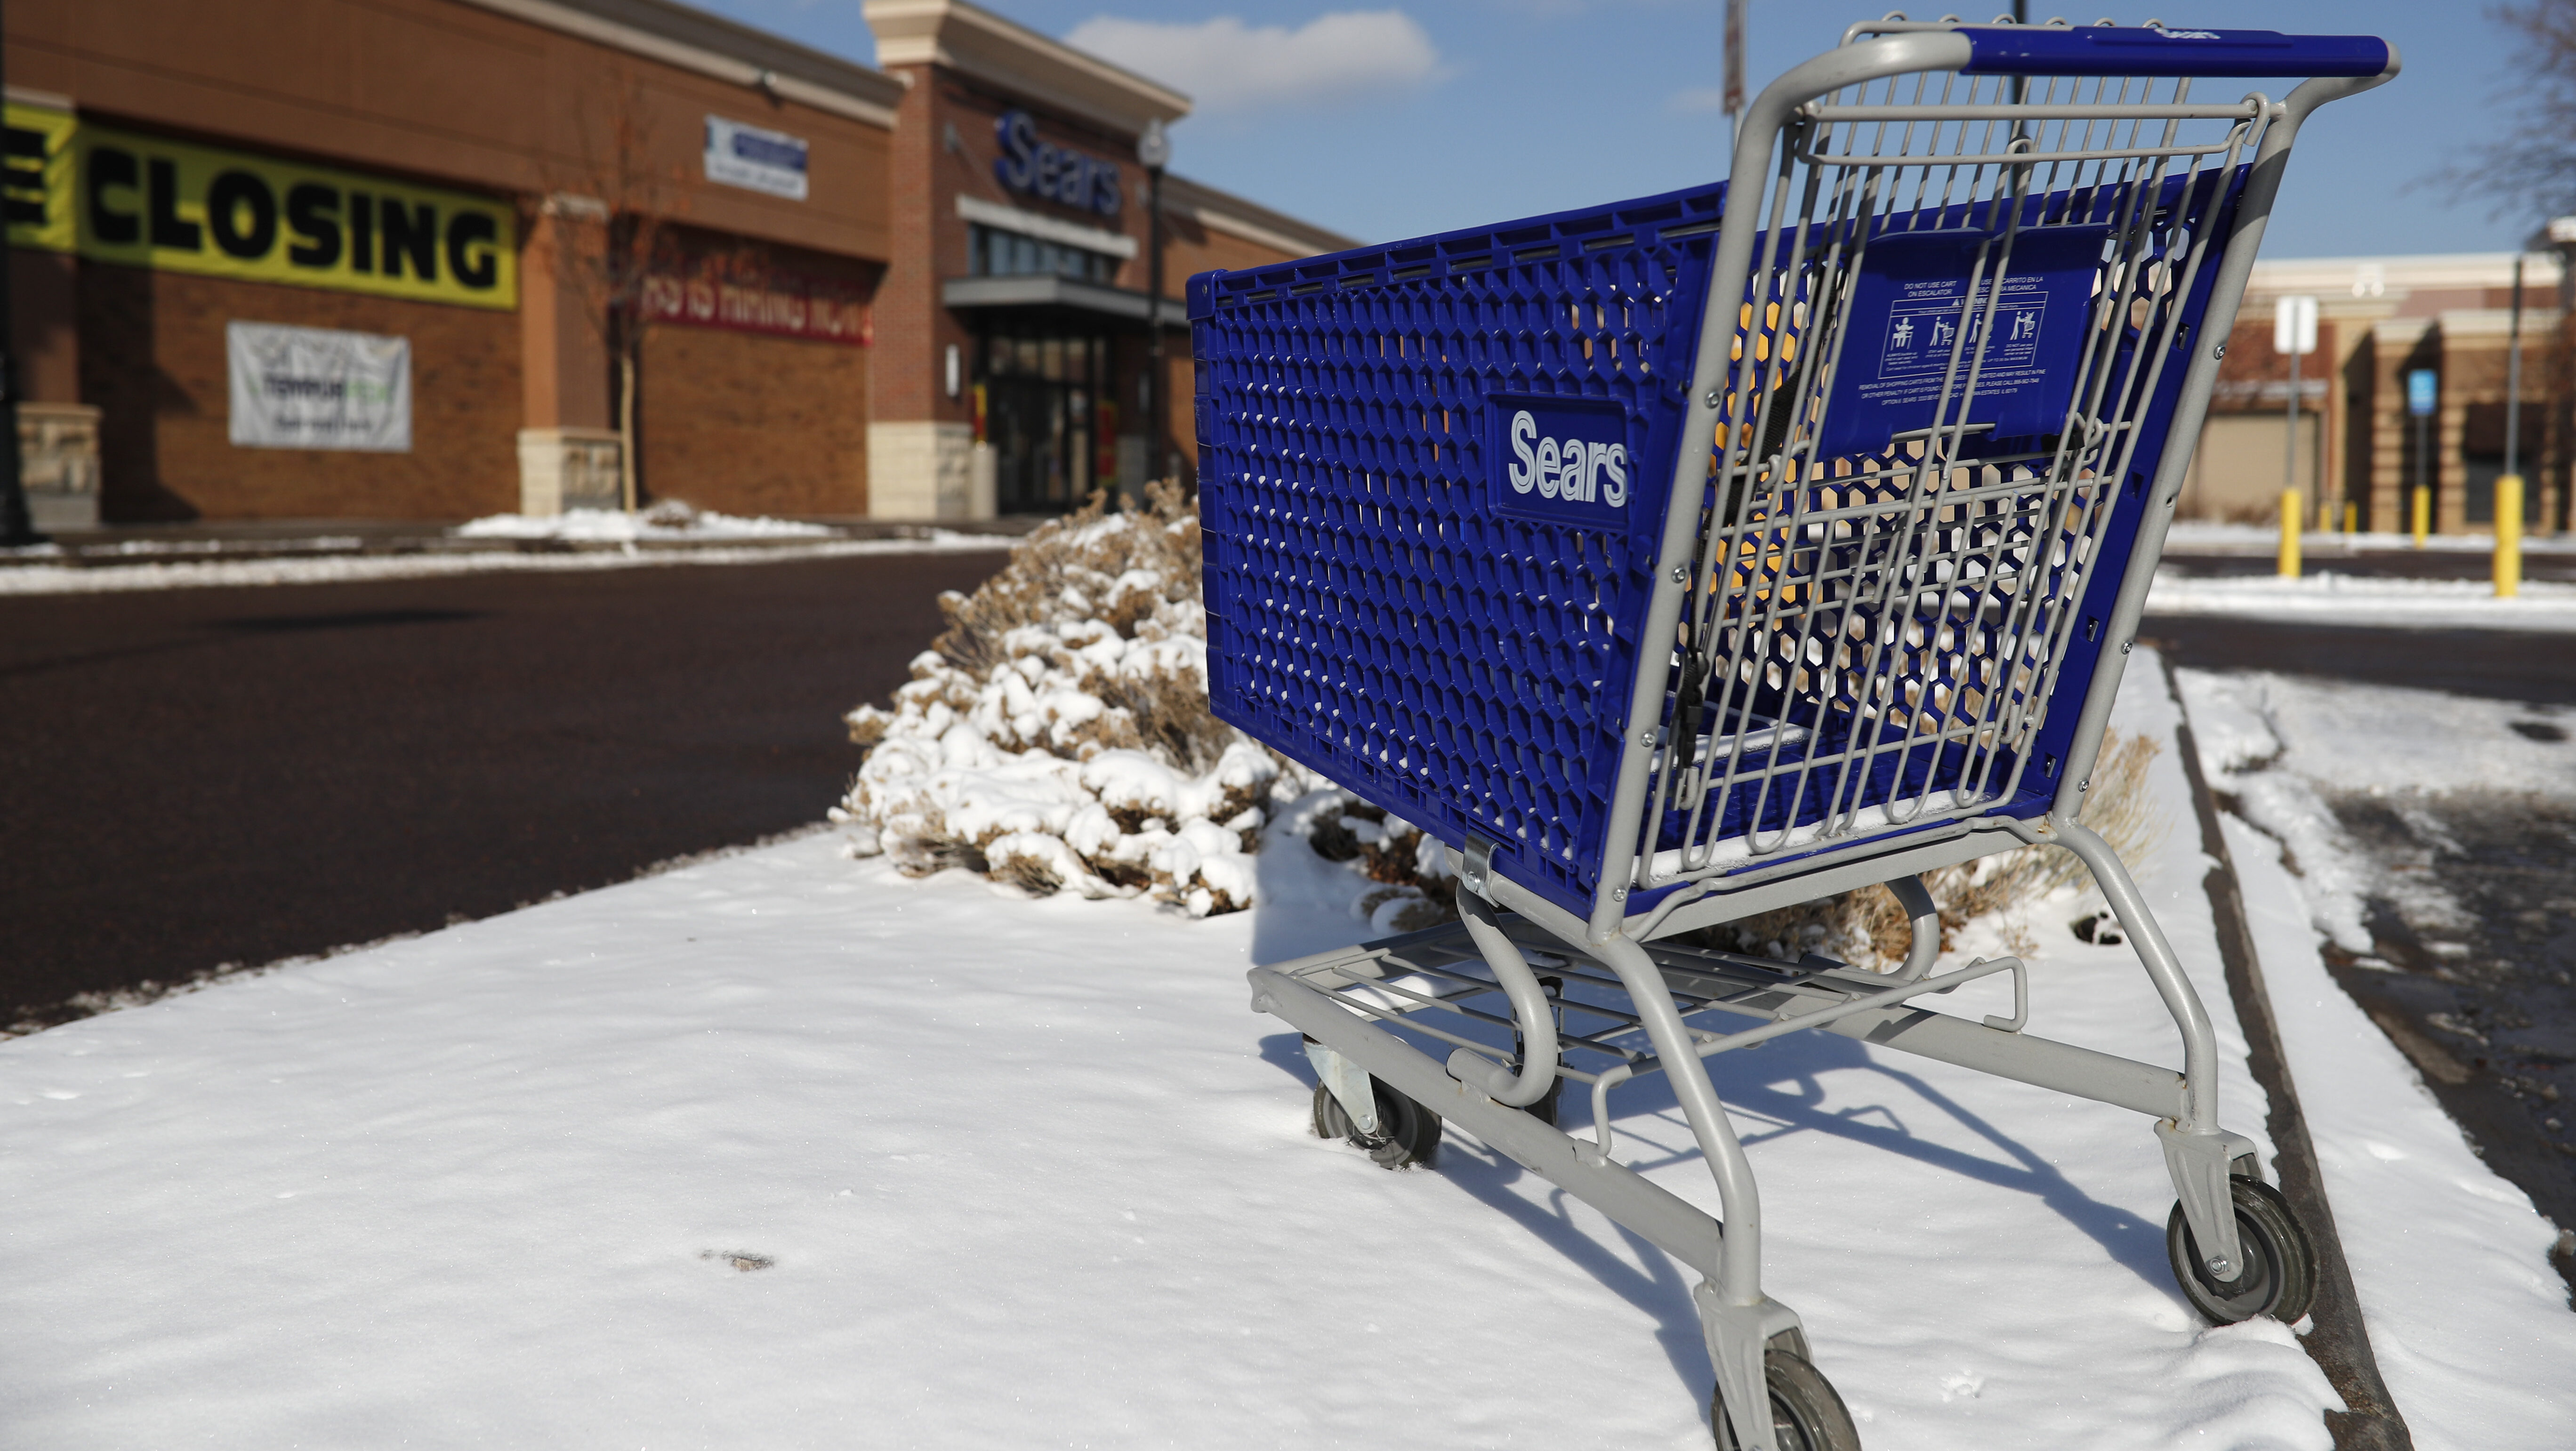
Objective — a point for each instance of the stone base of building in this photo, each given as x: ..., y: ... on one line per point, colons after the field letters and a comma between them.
x: 569, y: 468
x: 53, y: 513
x: 984, y: 474
x: 1131, y: 466
x: 924, y: 471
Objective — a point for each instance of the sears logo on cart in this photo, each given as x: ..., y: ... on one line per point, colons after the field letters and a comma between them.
x: 1561, y: 461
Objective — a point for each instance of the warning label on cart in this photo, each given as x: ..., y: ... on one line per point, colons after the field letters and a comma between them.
x: 1931, y: 325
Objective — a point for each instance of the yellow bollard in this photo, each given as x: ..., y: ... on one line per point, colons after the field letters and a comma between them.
x: 2351, y: 517
x: 2290, y: 533
x: 2508, y: 545
x: 2423, y: 514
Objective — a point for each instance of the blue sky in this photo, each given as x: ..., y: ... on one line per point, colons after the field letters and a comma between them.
x: 1392, y: 120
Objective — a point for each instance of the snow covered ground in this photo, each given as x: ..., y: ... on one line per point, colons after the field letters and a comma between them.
x: 24, y: 579
x: 2201, y: 535
x: 2324, y: 597
x: 2469, y: 1322
x: 782, y: 1149
x: 667, y: 520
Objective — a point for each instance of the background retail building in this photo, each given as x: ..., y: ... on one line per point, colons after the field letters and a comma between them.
x: 434, y: 259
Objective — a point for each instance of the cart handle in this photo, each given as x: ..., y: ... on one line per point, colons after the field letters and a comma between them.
x: 2128, y: 50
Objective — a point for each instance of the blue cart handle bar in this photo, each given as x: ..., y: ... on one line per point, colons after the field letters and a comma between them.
x: 2108, y: 50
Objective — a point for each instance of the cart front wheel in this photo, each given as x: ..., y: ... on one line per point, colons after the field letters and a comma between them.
x: 1806, y: 1414
x: 1407, y: 1133
x: 2280, y: 1275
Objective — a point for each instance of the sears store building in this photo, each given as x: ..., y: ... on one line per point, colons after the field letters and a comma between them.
x: 433, y: 259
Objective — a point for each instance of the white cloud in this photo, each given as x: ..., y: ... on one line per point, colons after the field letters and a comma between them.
x: 1227, y: 65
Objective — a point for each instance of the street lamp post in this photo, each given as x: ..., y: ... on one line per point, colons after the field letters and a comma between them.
x: 2422, y: 394
x: 1155, y: 150
x: 2560, y: 237
x: 2294, y: 331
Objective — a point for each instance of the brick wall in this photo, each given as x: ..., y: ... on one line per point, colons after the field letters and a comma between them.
x: 909, y: 320
x: 152, y: 359
x: 1190, y: 247
x: 749, y: 424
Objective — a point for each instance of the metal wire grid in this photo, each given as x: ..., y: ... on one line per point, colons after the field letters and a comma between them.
x: 1697, y: 982
x: 1870, y: 642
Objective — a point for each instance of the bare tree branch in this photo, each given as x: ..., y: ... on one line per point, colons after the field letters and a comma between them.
x: 614, y: 210
x: 2530, y: 170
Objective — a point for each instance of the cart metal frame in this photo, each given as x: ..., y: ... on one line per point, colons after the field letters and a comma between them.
x: 1905, y: 121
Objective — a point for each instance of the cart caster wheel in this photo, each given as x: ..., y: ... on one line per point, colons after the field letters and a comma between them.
x: 1806, y: 1414
x: 2281, y: 1278
x: 1407, y: 1133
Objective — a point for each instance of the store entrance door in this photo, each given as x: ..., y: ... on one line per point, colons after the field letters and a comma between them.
x: 1040, y: 394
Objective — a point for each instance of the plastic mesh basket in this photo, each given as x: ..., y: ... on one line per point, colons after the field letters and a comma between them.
x: 1465, y: 658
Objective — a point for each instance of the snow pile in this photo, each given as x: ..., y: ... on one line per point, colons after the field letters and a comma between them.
x: 669, y: 519
x: 2282, y: 748
x: 52, y: 579
x: 1058, y: 735
x: 2346, y: 599
x: 2209, y: 535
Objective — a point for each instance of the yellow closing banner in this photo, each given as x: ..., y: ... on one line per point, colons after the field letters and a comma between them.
x: 118, y: 196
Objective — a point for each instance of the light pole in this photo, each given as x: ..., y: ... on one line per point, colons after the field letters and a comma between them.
x: 2422, y: 393
x: 2560, y: 237
x: 2506, y: 495
x: 2294, y: 331
x: 1155, y: 150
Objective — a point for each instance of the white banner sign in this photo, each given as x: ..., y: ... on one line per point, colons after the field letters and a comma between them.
x: 304, y: 387
x: 748, y: 156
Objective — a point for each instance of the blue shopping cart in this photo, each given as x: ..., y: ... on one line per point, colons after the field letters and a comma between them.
x: 1687, y: 558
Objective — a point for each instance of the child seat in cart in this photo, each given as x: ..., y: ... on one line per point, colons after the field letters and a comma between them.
x: 1678, y: 560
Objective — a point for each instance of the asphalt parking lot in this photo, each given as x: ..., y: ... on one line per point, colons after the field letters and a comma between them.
x: 198, y: 777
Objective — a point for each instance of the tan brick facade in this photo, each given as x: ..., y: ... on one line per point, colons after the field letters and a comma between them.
x: 2382, y: 318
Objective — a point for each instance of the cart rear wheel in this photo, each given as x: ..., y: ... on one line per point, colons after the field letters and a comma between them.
x: 1806, y: 1414
x: 2280, y: 1275
x: 1407, y: 1133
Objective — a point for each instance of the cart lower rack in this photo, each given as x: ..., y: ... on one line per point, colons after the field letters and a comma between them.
x: 1683, y: 559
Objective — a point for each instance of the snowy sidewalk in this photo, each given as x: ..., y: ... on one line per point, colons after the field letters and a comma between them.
x: 2469, y: 1322
x: 1013, y: 1173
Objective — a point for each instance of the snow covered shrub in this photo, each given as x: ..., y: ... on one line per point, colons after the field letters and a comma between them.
x: 1869, y: 929
x: 1057, y: 735
x: 1412, y: 886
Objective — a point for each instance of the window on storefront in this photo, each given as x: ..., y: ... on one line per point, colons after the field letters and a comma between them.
x: 993, y: 252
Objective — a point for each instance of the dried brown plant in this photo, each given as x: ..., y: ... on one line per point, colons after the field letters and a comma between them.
x: 1866, y: 927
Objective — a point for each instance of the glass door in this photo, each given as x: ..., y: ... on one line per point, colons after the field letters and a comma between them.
x: 1039, y: 391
